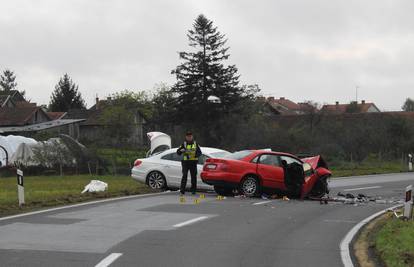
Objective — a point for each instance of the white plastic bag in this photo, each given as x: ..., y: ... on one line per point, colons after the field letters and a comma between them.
x: 95, y: 186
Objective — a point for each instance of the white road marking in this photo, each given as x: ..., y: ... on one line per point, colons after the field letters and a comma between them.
x: 262, y: 202
x: 362, y: 188
x: 340, y: 221
x: 344, y: 245
x: 108, y: 260
x: 178, y: 225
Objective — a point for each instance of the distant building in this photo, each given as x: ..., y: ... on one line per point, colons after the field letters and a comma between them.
x: 306, y: 108
x: 352, y: 107
x: 284, y: 106
x: 11, y: 98
x: 93, y: 126
x: 21, y: 117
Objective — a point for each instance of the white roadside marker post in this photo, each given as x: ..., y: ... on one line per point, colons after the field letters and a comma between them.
x: 408, y: 204
x: 410, y: 162
x: 20, y: 187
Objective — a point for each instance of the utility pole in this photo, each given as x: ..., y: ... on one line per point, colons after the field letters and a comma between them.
x: 356, y: 93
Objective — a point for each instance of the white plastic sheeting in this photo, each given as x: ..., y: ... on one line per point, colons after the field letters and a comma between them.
x: 95, y: 186
x: 11, y: 143
x: 24, y: 155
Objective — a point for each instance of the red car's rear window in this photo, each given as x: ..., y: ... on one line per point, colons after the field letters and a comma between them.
x: 239, y: 155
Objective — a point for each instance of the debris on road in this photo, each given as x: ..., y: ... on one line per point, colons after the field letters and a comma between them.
x: 265, y: 196
x: 95, y: 186
x: 355, y: 200
x: 220, y: 197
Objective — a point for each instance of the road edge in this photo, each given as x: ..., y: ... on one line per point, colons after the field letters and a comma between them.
x: 346, y: 241
x: 80, y: 205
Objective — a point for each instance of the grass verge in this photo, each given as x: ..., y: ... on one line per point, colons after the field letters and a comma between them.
x: 363, y: 246
x: 394, y: 243
x: 48, y: 191
x: 386, y: 241
x: 345, y: 169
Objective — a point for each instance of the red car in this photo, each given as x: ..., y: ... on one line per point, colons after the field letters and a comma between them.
x: 255, y: 171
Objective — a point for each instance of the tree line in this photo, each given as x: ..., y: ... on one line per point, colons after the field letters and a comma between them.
x: 208, y: 99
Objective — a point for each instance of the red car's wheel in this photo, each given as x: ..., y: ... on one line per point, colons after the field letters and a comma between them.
x: 250, y: 186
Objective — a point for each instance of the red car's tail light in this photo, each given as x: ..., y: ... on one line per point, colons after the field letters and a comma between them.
x: 137, y: 163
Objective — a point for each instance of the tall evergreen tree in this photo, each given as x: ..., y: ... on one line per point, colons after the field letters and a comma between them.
x: 203, y: 76
x: 8, y: 81
x: 66, y: 96
x: 408, y: 105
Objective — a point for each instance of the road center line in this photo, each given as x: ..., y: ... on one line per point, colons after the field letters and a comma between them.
x: 108, y: 260
x: 362, y: 188
x: 262, y: 202
x: 178, y: 225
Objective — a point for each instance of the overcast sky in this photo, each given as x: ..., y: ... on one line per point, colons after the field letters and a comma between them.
x: 302, y: 50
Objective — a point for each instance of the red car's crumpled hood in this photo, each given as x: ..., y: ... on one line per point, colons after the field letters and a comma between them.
x: 316, y: 162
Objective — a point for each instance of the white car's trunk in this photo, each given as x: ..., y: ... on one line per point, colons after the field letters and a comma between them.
x: 159, y: 142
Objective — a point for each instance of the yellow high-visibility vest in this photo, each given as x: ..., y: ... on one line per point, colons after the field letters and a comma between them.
x: 190, y: 151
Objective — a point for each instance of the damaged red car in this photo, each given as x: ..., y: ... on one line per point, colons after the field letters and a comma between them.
x: 253, y: 172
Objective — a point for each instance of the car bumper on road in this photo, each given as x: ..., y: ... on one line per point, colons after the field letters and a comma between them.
x: 217, y: 179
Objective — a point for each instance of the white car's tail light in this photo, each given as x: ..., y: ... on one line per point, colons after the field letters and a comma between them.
x: 137, y: 163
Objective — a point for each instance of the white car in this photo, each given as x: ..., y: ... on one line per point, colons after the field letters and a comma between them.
x: 162, y: 168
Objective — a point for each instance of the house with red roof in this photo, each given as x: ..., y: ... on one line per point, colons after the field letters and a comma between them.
x: 284, y: 106
x: 21, y: 117
x: 353, y: 107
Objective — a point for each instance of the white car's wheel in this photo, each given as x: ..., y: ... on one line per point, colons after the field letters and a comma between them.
x: 156, y: 180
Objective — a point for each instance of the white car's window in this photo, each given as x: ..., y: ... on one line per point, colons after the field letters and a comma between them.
x: 220, y: 154
x: 172, y: 156
x: 202, y: 159
x: 239, y: 155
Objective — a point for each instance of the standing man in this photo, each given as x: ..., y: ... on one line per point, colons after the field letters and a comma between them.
x: 190, y: 151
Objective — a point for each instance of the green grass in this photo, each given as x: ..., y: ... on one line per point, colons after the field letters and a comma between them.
x: 122, y: 157
x: 344, y: 169
x: 47, y: 191
x: 394, y: 242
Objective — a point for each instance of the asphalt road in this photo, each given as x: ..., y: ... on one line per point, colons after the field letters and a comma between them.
x: 161, y: 231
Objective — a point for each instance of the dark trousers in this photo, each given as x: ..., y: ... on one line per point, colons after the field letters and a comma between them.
x: 189, y: 165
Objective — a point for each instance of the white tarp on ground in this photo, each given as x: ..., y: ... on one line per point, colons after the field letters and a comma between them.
x: 11, y: 143
x: 95, y: 186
